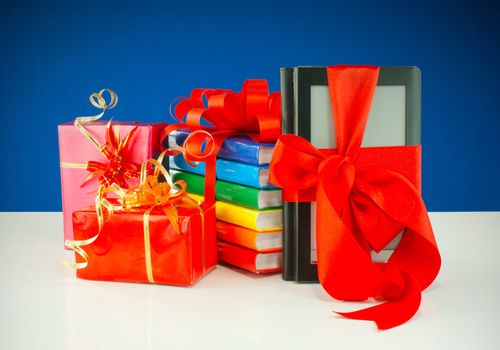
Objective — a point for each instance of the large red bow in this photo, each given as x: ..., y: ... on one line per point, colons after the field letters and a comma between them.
x: 119, y: 169
x: 253, y: 112
x: 360, y: 210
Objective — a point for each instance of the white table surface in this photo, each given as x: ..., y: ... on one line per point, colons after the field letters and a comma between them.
x: 44, y: 306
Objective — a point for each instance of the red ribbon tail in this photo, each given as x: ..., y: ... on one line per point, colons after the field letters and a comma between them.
x: 394, y: 312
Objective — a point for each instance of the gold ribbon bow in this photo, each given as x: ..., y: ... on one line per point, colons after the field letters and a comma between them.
x: 148, y: 195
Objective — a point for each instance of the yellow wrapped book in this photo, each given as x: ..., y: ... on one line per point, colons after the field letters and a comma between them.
x: 258, y: 220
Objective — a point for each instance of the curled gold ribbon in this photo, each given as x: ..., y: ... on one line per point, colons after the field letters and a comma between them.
x: 97, y: 101
x: 76, y: 245
x: 148, y: 195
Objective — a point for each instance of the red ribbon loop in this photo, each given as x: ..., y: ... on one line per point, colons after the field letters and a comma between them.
x: 359, y: 210
x: 253, y: 111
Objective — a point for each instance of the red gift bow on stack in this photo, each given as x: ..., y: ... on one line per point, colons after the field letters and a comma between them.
x: 119, y: 169
x: 252, y: 112
x: 357, y: 210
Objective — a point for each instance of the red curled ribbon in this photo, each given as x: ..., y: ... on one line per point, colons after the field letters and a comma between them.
x: 253, y: 112
x: 358, y: 210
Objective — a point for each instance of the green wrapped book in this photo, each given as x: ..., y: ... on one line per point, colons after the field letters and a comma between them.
x: 245, y: 196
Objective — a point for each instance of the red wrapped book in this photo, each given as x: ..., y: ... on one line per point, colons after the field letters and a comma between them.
x: 151, y: 233
x: 248, y: 259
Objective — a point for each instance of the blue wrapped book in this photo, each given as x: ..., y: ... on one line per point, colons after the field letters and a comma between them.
x: 235, y: 148
x: 240, y: 173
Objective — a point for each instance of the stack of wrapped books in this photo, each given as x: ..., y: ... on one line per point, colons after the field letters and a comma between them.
x: 249, y: 208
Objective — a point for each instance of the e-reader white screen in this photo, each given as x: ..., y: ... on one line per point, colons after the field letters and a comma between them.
x: 386, y: 126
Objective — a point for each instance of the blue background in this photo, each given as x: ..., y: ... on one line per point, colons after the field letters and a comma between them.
x: 53, y: 55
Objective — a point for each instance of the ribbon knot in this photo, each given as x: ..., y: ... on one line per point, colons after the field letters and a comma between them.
x: 332, y: 165
x: 358, y: 211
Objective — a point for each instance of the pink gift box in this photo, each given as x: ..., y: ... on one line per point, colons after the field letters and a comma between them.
x: 75, y: 151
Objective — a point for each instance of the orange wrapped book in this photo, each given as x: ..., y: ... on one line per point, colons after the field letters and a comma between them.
x: 260, y: 241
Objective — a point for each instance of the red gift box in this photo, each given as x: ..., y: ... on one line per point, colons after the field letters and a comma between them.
x: 153, y: 232
x: 119, y: 252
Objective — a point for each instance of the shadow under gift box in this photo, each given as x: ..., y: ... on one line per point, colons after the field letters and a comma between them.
x: 118, y: 254
x: 75, y: 151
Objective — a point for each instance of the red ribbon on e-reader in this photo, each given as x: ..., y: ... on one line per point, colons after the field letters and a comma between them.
x: 360, y: 209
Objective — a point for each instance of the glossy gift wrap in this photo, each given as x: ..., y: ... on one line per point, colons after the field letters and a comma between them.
x: 120, y: 252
